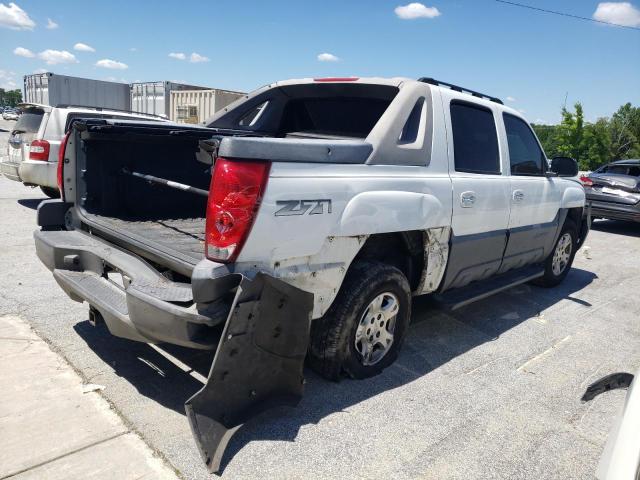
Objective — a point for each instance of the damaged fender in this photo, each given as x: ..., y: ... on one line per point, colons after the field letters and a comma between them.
x: 258, y: 363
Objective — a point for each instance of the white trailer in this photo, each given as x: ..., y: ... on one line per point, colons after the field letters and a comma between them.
x: 195, y: 106
x: 54, y: 90
x: 154, y: 97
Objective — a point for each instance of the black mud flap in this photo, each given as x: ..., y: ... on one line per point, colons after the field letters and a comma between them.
x: 606, y: 384
x: 258, y: 364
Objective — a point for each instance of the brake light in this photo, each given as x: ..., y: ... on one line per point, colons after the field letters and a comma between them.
x: 234, y: 198
x: 39, y: 150
x: 60, y: 169
x: 337, y: 79
x: 586, y: 181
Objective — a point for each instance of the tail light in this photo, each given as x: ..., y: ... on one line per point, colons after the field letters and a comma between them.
x: 60, y: 169
x: 39, y: 150
x: 586, y: 181
x: 234, y: 198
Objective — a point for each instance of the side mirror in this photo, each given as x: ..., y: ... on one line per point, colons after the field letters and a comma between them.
x: 564, y: 166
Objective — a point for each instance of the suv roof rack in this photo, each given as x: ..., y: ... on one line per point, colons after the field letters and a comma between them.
x: 99, y: 109
x: 433, y: 81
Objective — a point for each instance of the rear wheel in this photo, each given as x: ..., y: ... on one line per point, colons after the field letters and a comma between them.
x: 363, y: 330
x: 50, y: 192
x: 558, y: 263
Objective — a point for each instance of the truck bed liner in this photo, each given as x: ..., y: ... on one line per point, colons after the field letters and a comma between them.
x: 182, y: 235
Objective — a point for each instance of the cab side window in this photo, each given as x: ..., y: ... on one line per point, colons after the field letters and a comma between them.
x: 525, y: 155
x: 475, y: 141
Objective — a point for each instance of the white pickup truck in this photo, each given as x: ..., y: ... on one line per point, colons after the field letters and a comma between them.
x: 299, y: 224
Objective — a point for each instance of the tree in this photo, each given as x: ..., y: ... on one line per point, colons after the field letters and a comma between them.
x: 597, y: 142
x: 10, y: 98
x: 625, y: 133
x: 593, y: 144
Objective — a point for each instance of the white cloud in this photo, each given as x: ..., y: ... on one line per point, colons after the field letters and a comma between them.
x: 112, y: 64
x: 115, y: 79
x: 416, y: 10
x: 83, y: 47
x: 133, y: 49
x: 197, y: 58
x: 522, y: 111
x: 40, y: 70
x: 540, y: 121
x: 178, y: 56
x: 622, y: 13
x: 327, y: 57
x: 15, y: 18
x: 54, y: 57
x: 7, y: 80
x: 511, y: 99
x: 23, y: 52
x: 51, y: 25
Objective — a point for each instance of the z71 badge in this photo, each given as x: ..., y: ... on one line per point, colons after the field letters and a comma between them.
x: 302, y: 207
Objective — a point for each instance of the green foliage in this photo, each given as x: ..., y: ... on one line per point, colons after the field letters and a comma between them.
x: 593, y: 144
x: 10, y: 98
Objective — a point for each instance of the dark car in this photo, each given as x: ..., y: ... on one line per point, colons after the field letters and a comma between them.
x: 614, y: 190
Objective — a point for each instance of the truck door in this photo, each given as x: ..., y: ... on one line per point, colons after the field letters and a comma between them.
x: 535, y: 198
x: 481, y: 191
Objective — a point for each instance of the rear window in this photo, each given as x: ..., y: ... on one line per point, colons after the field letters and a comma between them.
x: 632, y: 170
x: 311, y: 110
x: 29, y: 121
x: 344, y: 116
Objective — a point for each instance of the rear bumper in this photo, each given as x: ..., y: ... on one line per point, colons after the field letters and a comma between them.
x: 34, y: 172
x: 10, y: 170
x: 146, y: 306
x: 614, y: 211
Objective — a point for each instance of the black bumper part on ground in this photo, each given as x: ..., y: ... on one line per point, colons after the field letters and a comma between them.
x: 258, y: 364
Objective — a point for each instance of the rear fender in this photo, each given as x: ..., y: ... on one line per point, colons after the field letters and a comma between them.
x: 391, y: 211
x: 258, y: 363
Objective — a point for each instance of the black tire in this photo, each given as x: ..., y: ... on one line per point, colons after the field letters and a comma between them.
x: 332, y: 351
x: 50, y: 192
x: 551, y: 279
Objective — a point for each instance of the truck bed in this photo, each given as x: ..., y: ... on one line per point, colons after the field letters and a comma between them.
x: 182, y: 237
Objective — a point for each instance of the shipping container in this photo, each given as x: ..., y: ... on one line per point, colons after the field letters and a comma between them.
x: 52, y: 89
x: 155, y: 97
x: 195, y: 106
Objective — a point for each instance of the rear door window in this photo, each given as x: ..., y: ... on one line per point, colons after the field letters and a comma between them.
x: 475, y: 140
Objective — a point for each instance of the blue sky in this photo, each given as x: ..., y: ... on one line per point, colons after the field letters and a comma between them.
x: 532, y: 57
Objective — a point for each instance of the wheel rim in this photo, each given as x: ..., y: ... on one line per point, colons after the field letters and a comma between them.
x: 562, y: 254
x: 374, y: 335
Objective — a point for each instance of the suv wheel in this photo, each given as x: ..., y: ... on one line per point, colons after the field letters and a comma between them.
x: 558, y: 263
x: 363, y: 330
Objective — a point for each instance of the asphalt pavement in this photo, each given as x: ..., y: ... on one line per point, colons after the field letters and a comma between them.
x: 489, y: 391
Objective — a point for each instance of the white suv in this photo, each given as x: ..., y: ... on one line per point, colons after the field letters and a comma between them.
x: 32, y: 151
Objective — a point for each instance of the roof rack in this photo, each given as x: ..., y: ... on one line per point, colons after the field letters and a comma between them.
x: 99, y: 109
x: 433, y: 81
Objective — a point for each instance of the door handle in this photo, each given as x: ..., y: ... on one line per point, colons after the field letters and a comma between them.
x: 467, y: 199
x: 518, y: 195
